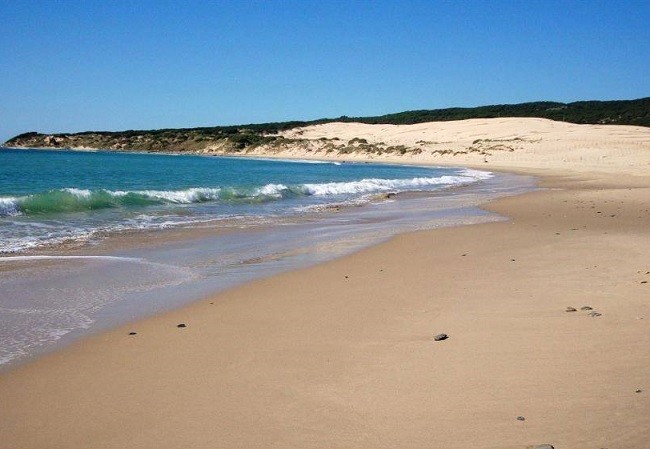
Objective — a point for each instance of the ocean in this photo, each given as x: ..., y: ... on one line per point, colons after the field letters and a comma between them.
x: 91, y: 240
x: 54, y: 197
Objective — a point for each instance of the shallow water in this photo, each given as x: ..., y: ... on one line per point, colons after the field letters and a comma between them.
x: 59, y: 294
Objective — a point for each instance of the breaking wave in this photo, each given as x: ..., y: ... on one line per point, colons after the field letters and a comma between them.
x: 78, y: 200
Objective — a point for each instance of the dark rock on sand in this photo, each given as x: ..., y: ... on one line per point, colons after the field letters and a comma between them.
x: 521, y: 418
x: 133, y: 333
x: 586, y: 308
x: 544, y: 446
x: 570, y: 309
x: 181, y: 325
x: 441, y: 337
x: 638, y: 391
x: 595, y: 314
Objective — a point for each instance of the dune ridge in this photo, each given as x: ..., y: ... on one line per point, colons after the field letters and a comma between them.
x: 506, y: 143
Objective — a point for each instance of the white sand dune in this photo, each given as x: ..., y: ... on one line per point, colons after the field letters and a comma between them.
x: 515, y: 143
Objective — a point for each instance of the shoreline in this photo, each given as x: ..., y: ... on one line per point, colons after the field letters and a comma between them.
x: 341, y: 354
x: 448, y: 207
x: 312, y: 369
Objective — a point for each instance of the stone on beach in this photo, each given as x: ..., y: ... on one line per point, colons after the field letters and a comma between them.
x: 441, y: 337
x: 586, y: 308
x: 181, y: 325
x: 570, y: 309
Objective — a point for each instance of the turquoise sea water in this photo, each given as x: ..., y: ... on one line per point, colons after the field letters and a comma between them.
x: 52, y: 197
x: 82, y: 247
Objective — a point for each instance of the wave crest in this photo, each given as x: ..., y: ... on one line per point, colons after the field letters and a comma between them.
x: 79, y: 200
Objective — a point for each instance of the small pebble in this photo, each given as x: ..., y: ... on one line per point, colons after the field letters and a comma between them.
x: 181, y: 325
x: 586, y: 308
x: 570, y: 309
x: 638, y: 391
x: 346, y: 277
x: 644, y: 282
x: 133, y: 333
x: 544, y: 446
x: 521, y: 418
x: 595, y: 314
x: 441, y: 337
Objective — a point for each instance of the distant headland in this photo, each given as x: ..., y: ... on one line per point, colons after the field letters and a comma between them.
x: 244, y: 138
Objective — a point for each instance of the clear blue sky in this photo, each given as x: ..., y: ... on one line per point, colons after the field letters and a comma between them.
x: 109, y: 65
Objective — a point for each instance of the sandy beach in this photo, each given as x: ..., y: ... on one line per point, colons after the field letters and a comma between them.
x: 342, y: 355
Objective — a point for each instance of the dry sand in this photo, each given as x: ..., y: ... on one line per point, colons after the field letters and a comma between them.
x: 535, y: 144
x: 342, y: 355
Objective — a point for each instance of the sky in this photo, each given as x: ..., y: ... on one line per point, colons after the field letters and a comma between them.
x: 69, y: 66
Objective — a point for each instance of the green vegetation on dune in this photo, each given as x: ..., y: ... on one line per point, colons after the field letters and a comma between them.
x: 237, y: 138
x: 619, y: 112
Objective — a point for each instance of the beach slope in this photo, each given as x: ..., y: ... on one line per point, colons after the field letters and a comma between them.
x: 342, y: 355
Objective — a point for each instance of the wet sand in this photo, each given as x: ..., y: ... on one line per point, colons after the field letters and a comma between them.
x: 53, y: 298
x: 341, y: 355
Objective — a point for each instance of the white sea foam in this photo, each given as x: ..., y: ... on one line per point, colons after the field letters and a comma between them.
x: 192, y: 195
x: 79, y: 193
x: 383, y: 185
x: 274, y: 190
x: 476, y: 174
x: 9, y: 206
